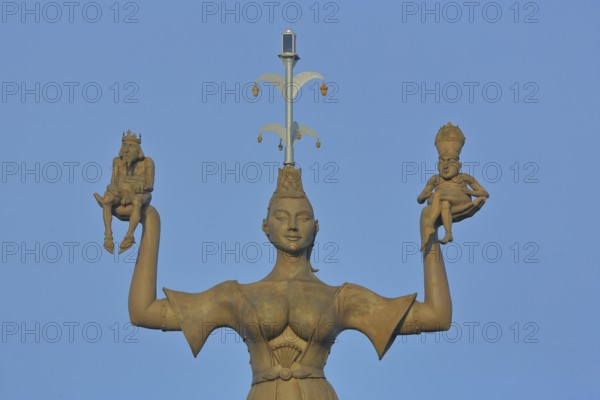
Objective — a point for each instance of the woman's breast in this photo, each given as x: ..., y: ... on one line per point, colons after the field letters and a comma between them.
x: 302, y: 308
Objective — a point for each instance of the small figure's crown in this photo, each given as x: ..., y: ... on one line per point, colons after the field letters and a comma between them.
x: 449, y: 140
x: 131, y: 137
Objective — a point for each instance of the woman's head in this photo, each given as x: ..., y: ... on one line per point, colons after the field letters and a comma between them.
x: 290, y: 223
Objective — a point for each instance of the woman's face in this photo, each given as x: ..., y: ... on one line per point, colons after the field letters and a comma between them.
x: 291, y: 225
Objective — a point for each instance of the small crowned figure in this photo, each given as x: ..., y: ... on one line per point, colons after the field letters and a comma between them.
x: 449, y: 191
x: 129, y: 190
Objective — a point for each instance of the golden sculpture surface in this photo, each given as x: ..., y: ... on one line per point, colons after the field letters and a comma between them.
x: 131, y: 184
x: 448, y: 192
x: 289, y: 319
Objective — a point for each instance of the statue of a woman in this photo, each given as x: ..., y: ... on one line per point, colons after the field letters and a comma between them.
x: 289, y: 319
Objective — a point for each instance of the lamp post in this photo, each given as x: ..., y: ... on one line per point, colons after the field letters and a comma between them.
x: 289, y: 86
x: 290, y: 58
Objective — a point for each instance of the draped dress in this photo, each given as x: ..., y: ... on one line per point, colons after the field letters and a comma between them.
x: 289, y: 328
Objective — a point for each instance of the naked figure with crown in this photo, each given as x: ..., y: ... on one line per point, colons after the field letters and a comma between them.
x: 130, y: 186
x: 450, y: 190
x: 290, y: 319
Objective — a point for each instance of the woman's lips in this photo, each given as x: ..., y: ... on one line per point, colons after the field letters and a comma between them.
x: 293, y: 238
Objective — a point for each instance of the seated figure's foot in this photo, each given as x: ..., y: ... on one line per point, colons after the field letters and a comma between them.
x: 127, y: 242
x: 447, y: 238
x: 108, y: 244
x: 99, y: 199
x: 427, y: 235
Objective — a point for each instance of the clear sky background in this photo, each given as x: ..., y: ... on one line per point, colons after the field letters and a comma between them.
x: 520, y: 78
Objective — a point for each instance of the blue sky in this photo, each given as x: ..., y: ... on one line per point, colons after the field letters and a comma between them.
x: 520, y: 78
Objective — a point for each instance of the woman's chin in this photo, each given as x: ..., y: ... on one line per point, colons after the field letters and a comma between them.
x: 291, y: 249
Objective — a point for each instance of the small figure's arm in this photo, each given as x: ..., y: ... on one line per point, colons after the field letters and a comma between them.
x: 429, y: 187
x: 114, y: 179
x: 477, y: 189
x: 149, y: 181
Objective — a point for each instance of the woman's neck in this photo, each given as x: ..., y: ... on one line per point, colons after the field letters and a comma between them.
x: 291, y: 267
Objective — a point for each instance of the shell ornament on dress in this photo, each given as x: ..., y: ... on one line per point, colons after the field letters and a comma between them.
x: 286, y: 354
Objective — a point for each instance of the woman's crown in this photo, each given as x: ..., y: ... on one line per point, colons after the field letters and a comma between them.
x: 289, y: 182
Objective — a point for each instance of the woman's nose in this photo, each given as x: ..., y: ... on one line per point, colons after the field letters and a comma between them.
x: 292, y: 226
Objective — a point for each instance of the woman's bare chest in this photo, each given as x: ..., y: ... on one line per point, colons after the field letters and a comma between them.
x: 299, y: 305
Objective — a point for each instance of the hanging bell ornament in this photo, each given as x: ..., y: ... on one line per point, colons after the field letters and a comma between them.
x: 323, y: 89
x: 259, y: 138
x: 255, y: 90
x: 280, y: 147
x: 318, y: 144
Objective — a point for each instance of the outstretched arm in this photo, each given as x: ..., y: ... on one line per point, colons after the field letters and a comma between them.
x: 144, y: 309
x: 435, y: 312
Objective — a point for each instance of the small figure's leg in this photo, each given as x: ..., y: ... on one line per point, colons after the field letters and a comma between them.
x: 134, y: 220
x: 127, y: 242
x: 107, y: 203
x: 447, y: 221
x: 433, y: 216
